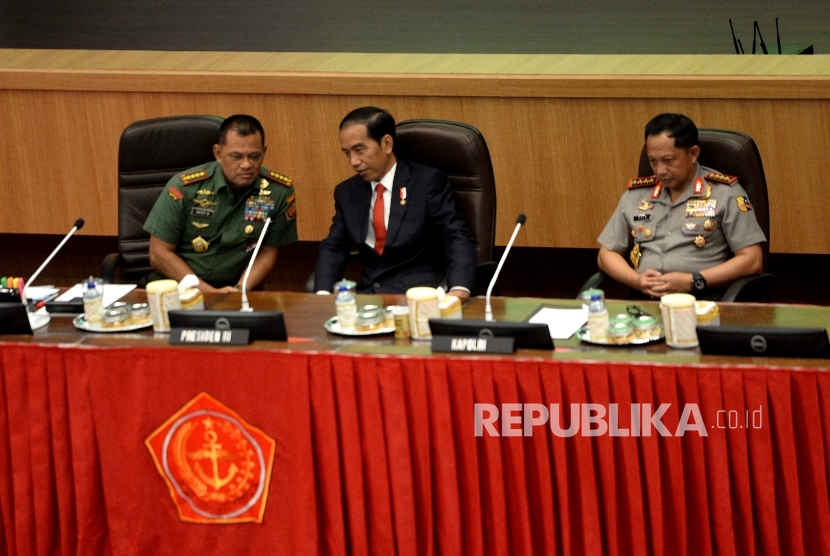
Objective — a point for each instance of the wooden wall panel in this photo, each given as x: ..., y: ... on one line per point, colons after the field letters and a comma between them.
x: 561, y: 158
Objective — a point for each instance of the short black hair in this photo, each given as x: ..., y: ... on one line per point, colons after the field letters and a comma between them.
x: 243, y: 125
x: 681, y: 128
x: 378, y: 121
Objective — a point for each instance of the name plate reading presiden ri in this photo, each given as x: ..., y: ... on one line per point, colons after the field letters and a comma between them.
x: 207, y: 336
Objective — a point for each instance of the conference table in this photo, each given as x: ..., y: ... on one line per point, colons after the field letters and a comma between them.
x: 119, y: 443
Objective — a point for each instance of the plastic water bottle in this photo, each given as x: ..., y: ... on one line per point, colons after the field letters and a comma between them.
x: 345, y: 300
x: 93, y: 301
x: 597, y: 318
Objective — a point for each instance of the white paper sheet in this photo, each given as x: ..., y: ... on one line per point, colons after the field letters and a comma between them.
x: 36, y: 293
x: 563, y: 323
x: 112, y: 292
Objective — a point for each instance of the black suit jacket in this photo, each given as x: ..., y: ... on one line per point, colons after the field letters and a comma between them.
x: 426, y: 238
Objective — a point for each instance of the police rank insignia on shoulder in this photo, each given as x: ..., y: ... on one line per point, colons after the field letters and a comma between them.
x: 279, y: 178
x: 634, y: 183
x: 194, y: 177
x: 721, y: 178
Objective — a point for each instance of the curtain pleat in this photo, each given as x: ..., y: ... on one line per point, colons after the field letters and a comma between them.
x: 380, y: 455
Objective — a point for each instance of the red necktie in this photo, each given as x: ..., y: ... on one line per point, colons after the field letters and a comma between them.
x: 378, y: 221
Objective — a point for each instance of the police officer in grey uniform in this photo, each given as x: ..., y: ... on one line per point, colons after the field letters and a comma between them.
x: 208, y: 219
x: 674, y: 232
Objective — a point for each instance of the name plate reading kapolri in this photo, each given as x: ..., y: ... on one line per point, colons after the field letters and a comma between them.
x: 471, y: 344
x: 210, y: 337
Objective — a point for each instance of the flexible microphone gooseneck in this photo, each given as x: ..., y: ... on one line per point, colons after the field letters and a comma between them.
x: 246, y: 308
x: 488, y: 311
x: 79, y: 223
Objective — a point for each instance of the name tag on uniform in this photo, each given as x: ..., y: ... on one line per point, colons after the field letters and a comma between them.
x: 642, y: 217
x: 203, y: 213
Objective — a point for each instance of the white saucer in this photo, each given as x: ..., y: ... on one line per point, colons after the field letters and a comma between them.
x: 333, y: 326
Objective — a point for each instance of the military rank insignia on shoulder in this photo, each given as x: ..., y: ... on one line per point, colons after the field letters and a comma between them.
x: 194, y: 176
x: 279, y: 178
x: 721, y: 178
x: 634, y: 183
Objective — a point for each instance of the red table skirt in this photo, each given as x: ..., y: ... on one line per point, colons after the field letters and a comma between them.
x: 380, y: 455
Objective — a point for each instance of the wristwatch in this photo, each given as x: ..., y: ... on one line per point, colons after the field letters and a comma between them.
x: 698, y: 282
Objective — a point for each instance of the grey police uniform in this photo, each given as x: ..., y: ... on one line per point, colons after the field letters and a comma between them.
x: 214, y: 227
x: 710, y: 220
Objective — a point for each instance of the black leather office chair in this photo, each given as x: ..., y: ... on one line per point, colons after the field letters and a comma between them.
x: 149, y: 154
x: 460, y: 151
x: 736, y: 154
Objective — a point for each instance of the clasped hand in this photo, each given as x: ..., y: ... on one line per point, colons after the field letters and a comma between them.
x: 657, y: 284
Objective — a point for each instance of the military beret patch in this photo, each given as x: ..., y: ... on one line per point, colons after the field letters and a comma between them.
x: 721, y: 178
x: 634, y: 183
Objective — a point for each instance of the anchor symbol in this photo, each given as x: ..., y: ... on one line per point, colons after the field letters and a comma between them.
x: 213, y: 451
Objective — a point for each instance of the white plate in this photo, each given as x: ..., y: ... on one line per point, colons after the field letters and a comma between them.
x: 583, y: 335
x: 334, y: 327
x: 80, y: 322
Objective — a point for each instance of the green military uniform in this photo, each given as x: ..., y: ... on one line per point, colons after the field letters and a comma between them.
x: 710, y: 220
x: 214, y: 227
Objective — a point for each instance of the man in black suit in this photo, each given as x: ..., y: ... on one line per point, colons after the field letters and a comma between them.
x: 400, y: 215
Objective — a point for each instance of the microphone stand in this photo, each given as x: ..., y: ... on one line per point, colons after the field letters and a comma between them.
x: 488, y: 311
x: 246, y: 308
x: 79, y: 223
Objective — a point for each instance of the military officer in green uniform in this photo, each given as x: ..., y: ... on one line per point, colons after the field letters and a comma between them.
x: 208, y: 219
x: 677, y: 230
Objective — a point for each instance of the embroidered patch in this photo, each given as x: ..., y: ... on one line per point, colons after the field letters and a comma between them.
x: 217, y: 467
x: 743, y: 203
x: 175, y: 193
x: 655, y: 193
